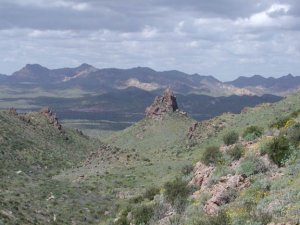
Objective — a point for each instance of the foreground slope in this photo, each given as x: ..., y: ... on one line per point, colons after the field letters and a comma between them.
x: 34, y: 147
x: 132, y: 182
x: 253, y: 180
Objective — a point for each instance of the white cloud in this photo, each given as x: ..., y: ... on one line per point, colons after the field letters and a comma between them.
x: 266, y: 18
x: 149, y: 32
x: 50, y: 34
x: 275, y: 8
x: 78, y: 6
x: 122, y: 34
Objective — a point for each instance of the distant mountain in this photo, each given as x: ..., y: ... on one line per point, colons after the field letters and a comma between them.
x: 38, y: 76
x: 99, y: 81
x: 262, y: 85
x: 89, y: 78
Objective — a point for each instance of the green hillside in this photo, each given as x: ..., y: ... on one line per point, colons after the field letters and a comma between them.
x: 149, y: 134
x: 51, y: 175
x: 32, y: 143
x: 266, y: 168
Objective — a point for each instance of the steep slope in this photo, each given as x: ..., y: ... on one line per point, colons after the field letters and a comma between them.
x: 163, y: 127
x: 34, y: 147
x: 37, y: 140
x: 241, y: 183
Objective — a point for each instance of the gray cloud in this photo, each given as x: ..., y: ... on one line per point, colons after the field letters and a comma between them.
x: 226, y: 40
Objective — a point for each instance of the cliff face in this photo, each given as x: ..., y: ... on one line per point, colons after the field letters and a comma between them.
x: 162, y: 105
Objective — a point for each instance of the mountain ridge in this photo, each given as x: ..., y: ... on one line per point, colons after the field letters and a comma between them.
x: 88, y: 77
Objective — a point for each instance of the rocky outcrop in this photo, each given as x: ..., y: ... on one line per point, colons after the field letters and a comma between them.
x: 52, y: 118
x: 162, y: 105
x: 23, y: 116
x: 220, y: 193
x: 224, y: 192
x: 192, y: 129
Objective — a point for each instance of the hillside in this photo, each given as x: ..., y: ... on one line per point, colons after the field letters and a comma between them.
x: 34, y: 147
x: 53, y: 175
x: 219, y: 189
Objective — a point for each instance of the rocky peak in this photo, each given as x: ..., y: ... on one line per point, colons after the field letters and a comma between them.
x: 52, y: 118
x: 162, y: 105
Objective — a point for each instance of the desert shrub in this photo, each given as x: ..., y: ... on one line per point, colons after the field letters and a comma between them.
x: 228, y: 195
x: 122, y: 218
x: 211, y: 155
x: 286, y: 121
x: 293, y: 134
x: 280, y: 122
x: 142, y: 213
x: 136, y: 199
x: 187, y: 169
x: 252, y: 132
x: 236, y: 152
x: 251, y: 166
x: 219, y: 171
x: 220, y: 219
x: 176, y: 190
x: 264, y: 146
x: 230, y: 138
x: 151, y: 192
x: 278, y: 150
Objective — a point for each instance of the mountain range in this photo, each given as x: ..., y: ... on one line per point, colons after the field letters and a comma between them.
x: 90, y: 78
x: 120, y: 95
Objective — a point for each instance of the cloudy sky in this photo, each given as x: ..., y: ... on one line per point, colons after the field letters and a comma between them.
x: 224, y: 38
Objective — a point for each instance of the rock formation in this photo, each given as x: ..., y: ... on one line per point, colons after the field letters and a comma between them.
x: 220, y: 192
x: 162, y: 105
x: 51, y: 116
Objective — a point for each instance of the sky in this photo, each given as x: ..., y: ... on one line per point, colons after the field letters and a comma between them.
x: 223, y: 38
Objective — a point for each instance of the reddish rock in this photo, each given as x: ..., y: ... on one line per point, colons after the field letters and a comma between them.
x: 163, y: 104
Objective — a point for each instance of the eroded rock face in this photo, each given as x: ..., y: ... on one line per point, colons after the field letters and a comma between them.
x: 221, y: 192
x: 51, y: 116
x: 162, y: 104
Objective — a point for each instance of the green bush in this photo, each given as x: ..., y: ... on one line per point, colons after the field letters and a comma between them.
x: 142, y: 213
x: 187, y: 169
x: 211, y: 155
x: 251, y: 166
x: 293, y: 134
x: 220, y: 219
x: 176, y: 190
x: 237, y: 152
x: 151, y: 192
x: 279, y: 150
x: 230, y: 138
x: 280, y: 122
x: 252, y: 132
x: 283, y: 121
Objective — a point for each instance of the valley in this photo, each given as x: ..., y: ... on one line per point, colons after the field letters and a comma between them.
x: 53, y: 175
